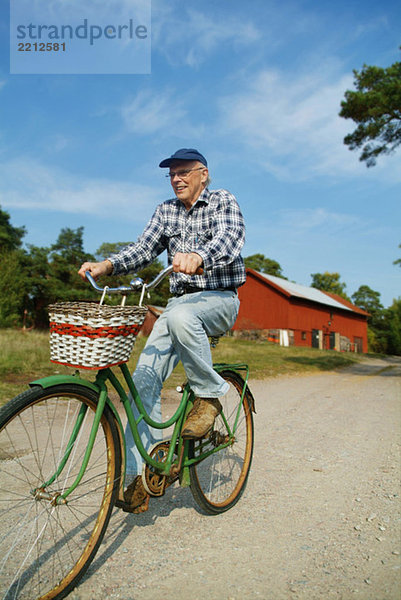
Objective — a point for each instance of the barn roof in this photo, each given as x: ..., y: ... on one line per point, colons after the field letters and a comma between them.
x: 348, y: 303
x: 302, y: 291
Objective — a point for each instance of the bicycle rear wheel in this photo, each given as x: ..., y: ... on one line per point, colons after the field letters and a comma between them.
x: 46, y: 547
x: 218, y: 481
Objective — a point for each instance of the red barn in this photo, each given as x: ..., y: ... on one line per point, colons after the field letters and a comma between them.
x: 292, y: 314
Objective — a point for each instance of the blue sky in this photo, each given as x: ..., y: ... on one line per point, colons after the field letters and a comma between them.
x: 256, y: 86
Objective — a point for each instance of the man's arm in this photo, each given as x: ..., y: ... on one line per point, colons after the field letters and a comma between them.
x: 138, y: 255
x: 133, y: 256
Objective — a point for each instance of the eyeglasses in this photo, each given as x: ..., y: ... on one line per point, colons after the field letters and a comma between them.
x: 183, y: 173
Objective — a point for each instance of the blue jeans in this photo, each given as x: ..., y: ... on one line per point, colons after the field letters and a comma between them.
x: 180, y: 333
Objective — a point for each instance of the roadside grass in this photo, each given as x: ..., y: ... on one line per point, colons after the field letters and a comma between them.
x: 24, y: 356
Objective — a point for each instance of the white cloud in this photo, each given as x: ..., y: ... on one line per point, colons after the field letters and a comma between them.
x: 150, y: 112
x: 292, y: 124
x: 73, y: 9
x: 327, y: 229
x: 59, y: 143
x: 303, y: 219
x: 25, y: 183
x: 190, y: 37
x: 163, y: 112
x: 298, y: 230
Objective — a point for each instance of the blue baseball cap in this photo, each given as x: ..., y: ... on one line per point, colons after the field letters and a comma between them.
x: 184, y: 154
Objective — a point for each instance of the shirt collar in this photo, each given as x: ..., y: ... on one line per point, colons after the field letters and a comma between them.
x: 204, y: 196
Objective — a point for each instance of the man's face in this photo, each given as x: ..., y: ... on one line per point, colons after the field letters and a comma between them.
x: 187, y: 186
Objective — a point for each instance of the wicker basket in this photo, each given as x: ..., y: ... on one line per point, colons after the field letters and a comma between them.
x: 92, y: 336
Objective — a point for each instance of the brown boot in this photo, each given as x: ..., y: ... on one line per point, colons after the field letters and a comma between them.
x: 200, y: 419
x: 136, y: 498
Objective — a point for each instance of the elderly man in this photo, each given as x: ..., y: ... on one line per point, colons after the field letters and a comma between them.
x: 199, y: 228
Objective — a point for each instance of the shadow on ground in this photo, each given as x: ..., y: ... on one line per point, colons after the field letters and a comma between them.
x: 323, y: 363
x: 121, y: 524
x: 387, y: 366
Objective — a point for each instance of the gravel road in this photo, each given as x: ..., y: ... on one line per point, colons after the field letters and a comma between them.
x: 320, y: 518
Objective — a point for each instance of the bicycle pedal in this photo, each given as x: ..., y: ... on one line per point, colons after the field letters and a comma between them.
x: 126, y: 507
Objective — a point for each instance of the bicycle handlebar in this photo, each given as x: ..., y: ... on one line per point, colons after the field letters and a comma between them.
x: 135, y: 284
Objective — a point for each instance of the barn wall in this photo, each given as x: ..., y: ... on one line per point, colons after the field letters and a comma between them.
x: 305, y: 316
x: 261, y: 307
x: 265, y: 307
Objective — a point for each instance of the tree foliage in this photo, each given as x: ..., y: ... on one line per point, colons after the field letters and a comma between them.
x: 329, y: 282
x: 375, y: 106
x: 10, y: 237
x: 369, y: 300
x: 109, y: 248
x: 34, y: 277
x: 392, y: 318
x: 261, y: 263
x: 160, y: 295
x: 12, y: 279
x: 398, y: 261
x: 51, y: 274
x: 13, y: 287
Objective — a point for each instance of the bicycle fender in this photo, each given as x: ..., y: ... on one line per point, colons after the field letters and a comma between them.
x: 235, y: 369
x: 252, y: 399
x: 47, y: 382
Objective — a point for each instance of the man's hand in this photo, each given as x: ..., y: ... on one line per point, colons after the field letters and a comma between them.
x: 186, y: 263
x: 96, y: 269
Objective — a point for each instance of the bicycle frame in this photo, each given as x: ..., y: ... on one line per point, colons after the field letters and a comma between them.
x: 177, y: 445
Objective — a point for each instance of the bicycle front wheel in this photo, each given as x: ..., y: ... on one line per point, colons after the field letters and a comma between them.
x: 45, y: 547
x: 218, y: 481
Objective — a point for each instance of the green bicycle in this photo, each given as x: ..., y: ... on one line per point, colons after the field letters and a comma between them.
x: 62, y: 466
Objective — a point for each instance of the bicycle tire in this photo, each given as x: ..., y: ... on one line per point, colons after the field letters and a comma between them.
x: 46, y: 548
x: 218, y: 481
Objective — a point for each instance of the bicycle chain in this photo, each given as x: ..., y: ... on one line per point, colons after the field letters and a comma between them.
x: 156, y: 483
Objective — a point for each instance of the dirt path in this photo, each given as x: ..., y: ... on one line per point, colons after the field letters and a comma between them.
x: 320, y: 518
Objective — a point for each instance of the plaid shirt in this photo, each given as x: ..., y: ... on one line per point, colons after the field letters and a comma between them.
x: 213, y: 228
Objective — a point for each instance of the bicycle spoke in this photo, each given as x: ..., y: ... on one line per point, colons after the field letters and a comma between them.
x: 218, y: 480
x: 47, y: 545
